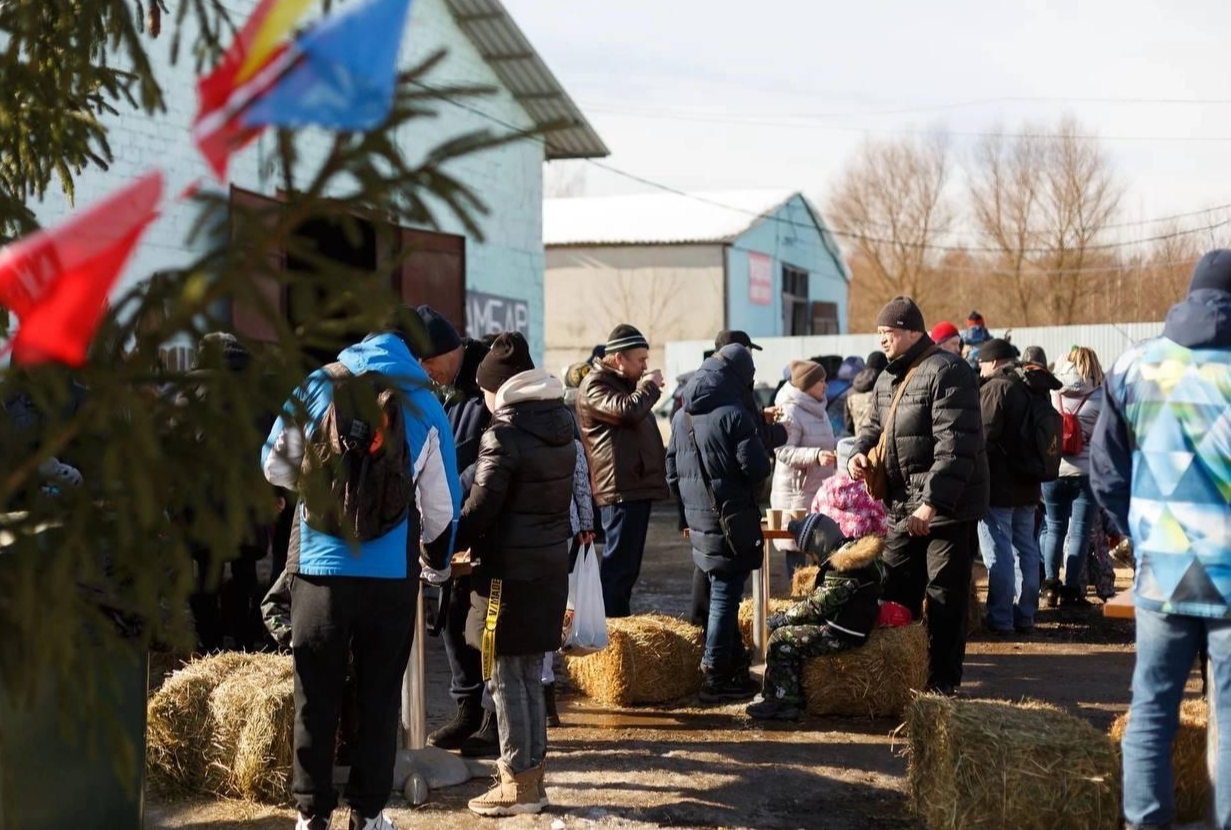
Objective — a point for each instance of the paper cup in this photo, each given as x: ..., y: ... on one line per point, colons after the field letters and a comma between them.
x: 774, y: 518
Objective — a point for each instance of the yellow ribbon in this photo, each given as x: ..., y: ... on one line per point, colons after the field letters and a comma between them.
x: 489, y: 630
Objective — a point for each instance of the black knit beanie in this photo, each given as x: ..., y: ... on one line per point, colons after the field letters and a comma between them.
x: 624, y: 337
x: 901, y: 313
x: 877, y: 361
x: 509, y: 356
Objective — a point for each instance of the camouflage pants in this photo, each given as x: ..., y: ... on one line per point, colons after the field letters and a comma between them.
x: 789, y: 647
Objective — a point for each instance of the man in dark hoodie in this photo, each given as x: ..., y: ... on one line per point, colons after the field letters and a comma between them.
x: 1006, y: 534
x: 468, y: 416
x: 1159, y: 468
x: 716, y: 464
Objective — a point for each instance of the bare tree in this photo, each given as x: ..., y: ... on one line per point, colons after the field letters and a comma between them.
x: 564, y: 180
x: 1045, y: 202
x: 892, y: 199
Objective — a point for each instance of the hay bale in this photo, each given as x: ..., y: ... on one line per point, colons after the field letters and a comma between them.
x: 803, y: 582
x: 776, y: 606
x: 1028, y: 765
x: 223, y: 725
x: 1188, y: 761
x: 650, y: 658
x: 877, y: 679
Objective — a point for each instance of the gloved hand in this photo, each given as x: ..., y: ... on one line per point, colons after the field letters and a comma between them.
x: 432, y: 576
x: 60, y: 473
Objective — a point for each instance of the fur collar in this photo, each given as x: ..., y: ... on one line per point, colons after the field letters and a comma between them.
x: 858, y: 554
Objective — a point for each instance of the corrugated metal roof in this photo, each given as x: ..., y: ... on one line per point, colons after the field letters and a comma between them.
x: 501, y: 43
x: 657, y: 218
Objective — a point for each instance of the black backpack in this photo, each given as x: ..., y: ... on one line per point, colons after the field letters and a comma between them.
x: 356, y: 473
x: 1037, y: 455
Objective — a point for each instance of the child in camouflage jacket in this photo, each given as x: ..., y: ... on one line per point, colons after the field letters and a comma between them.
x: 838, y: 615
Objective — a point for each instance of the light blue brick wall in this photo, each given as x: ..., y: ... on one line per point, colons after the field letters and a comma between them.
x: 509, y: 260
x: 791, y: 238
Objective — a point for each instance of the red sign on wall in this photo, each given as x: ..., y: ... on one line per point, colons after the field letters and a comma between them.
x: 760, y: 279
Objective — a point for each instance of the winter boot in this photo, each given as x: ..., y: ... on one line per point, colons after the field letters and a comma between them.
x: 1051, y: 593
x: 723, y: 687
x: 549, y: 698
x: 465, y: 723
x: 541, y: 769
x: 486, y: 742
x: 773, y: 708
x: 511, y: 794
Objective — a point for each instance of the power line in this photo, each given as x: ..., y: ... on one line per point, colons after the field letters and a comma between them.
x: 799, y: 124
x: 977, y: 102
x: 859, y: 237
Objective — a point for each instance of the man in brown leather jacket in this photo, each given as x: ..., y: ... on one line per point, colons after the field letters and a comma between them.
x: 626, y: 455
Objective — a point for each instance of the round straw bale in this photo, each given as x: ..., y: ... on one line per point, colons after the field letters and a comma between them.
x: 1188, y: 761
x: 650, y: 658
x: 878, y: 679
x: 776, y: 606
x: 993, y: 764
x: 804, y: 581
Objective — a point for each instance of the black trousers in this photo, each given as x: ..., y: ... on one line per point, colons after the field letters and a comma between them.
x: 465, y: 662
x: 238, y: 615
x: 937, y: 567
x: 373, y: 620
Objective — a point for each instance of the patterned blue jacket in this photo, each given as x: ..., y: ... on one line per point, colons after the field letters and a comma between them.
x: 1161, y: 458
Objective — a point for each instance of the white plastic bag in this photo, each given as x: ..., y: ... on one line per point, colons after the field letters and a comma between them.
x: 585, y: 618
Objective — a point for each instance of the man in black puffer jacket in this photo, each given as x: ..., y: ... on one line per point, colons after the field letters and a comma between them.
x: 716, y: 430
x: 516, y: 521
x: 938, y: 481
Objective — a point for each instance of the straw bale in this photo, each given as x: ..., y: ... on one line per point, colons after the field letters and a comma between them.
x: 878, y: 679
x: 994, y: 764
x: 179, y: 726
x: 1188, y: 761
x: 650, y: 658
x: 776, y: 606
x: 803, y: 581
x: 223, y: 725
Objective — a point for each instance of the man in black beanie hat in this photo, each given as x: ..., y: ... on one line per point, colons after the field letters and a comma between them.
x: 936, y: 470
x: 442, y: 357
x: 615, y: 411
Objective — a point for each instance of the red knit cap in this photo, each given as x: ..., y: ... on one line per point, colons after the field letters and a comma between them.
x: 943, y: 331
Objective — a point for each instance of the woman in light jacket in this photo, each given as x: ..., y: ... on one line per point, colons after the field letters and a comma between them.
x: 807, y: 458
x: 1070, y: 505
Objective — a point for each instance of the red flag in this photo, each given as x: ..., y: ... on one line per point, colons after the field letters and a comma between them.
x: 57, y: 280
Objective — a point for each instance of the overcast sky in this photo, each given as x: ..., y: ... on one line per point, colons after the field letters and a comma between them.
x: 666, y: 83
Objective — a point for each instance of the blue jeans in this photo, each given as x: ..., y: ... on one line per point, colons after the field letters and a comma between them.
x: 1167, y: 645
x: 1070, y: 510
x: 722, y: 638
x: 1011, y: 554
x: 625, y: 525
x: 521, y: 713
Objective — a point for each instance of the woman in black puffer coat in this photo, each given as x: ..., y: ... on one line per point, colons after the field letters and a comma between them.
x: 516, y: 521
x: 736, y: 462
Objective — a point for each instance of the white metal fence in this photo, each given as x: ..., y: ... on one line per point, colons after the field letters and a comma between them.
x: 1109, y: 341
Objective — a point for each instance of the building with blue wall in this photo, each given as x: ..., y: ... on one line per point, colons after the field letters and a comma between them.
x: 686, y: 266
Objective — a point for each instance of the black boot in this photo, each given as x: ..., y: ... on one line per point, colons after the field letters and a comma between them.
x: 465, y: 723
x: 1051, y: 593
x: 549, y: 698
x: 486, y: 742
x: 719, y: 686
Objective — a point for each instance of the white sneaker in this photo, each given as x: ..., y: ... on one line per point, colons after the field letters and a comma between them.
x: 379, y: 822
x: 317, y: 823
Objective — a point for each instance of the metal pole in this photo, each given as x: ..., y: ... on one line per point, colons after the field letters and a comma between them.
x: 760, y: 605
x: 414, y: 697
